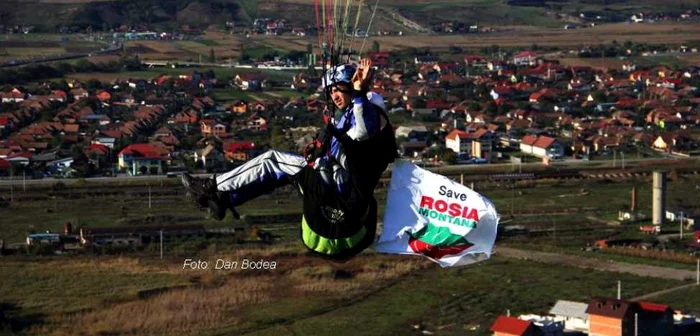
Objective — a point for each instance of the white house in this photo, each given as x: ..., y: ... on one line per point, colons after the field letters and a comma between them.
x: 528, y: 58
x: 526, y: 143
x: 412, y: 133
x: 572, y: 313
x: 542, y: 146
x: 458, y: 141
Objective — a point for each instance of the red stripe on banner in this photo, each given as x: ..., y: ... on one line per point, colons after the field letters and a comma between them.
x: 435, y: 252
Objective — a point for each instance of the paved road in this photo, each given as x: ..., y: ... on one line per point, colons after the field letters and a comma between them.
x: 448, y: 169
x: 597, y: 264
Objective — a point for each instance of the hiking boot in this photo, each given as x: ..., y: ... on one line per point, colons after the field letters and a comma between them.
x: 199, y: 186
x: 219, y: 204
x: 200, y: 202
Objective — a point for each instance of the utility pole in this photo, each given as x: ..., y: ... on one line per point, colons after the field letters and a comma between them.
x: 614, y: 158
x: 623, y: 159
x: 681, y: 220
x: 161, y: 244
x: 636, y: 324
x: 512, y: 200
x: 149, y: 197
x: 12, y: 188
x: 619, y: 289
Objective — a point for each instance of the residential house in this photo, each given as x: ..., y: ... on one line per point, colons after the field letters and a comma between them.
x: 5, y: 167
x: 573, y: 314
x: 58, y: 95
x: 512, y: 326
x: 299, y: 31
x: 542, y: 146
x: 239, y: 150
x: 14, y: 96
x: 496, y: 65
x: 475, y: 61
x: 250, y: 81
x: 96, y: 119
x: 544, y: 94
x: 412, y: 148
x: 527, y: 142
x: 239, y: 106
x: 459, y: 141
x: 188, y: 116
x: 548, y: 147
x: 209, y: 158
x: 380, y: 58
x: 6, y: 125
x: 674, y: 141
x: 609, y: 317
x: 79, y: 94
x: 426, y: 60
x: 139, y: 235
x: 483, y: 143
x: 206, y: 126
x: 20, y: 158
x: 103, y: 96
x: 412, y: 133
x: 142, y: 159
x: 257, y: 123
x: 525, y: 58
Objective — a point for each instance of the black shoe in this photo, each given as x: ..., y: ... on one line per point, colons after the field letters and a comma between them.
x: 201, y: 202
x: 219, y: 204
x: 199, y: 186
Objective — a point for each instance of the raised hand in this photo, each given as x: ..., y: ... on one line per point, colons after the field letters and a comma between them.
x: 362, y: 78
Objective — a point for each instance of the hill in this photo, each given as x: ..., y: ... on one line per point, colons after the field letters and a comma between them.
x: 392, y: 14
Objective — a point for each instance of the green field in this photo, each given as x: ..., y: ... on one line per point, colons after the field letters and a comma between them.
x: 133, y: 291
x: 299, y: 298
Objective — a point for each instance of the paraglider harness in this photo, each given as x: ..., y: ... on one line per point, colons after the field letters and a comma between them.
x: 335, y: 226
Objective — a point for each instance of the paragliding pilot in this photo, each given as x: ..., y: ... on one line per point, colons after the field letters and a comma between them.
x: 336, y: 175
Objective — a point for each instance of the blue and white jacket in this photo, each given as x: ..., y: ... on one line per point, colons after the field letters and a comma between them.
x: 360, y: 120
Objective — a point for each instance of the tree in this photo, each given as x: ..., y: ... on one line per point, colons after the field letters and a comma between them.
x: 375, y: 46
x: 212, y: 56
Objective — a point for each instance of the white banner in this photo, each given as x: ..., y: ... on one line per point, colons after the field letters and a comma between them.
x: 431, y: 215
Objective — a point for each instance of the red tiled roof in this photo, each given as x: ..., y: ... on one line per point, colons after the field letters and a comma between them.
x: 544, y: 142
x: 140, y: 150
x: 525, y: 54
x: 98, y: 147
x: 529, y: 140
x: 71, y: 128
x: 27, y: 155
x: 653, y: 307
x: 510, y: 325
x: 457, y: 133
x: 238, y: 146
x: 478, y: 134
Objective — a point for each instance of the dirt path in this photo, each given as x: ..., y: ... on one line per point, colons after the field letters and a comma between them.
x: 597, y: 264
x: 665, y: 291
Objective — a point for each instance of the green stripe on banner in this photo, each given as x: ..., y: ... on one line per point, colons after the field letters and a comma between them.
x: 329, y: 246
x: 439, y: 236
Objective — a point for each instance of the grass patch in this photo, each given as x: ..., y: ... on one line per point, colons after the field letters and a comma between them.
x: 56, y: 285
x: 456, y: 300
x: 687, y: 298
x: 209, y: 43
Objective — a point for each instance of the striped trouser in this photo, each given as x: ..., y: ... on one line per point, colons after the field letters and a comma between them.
x: 271, y: 170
